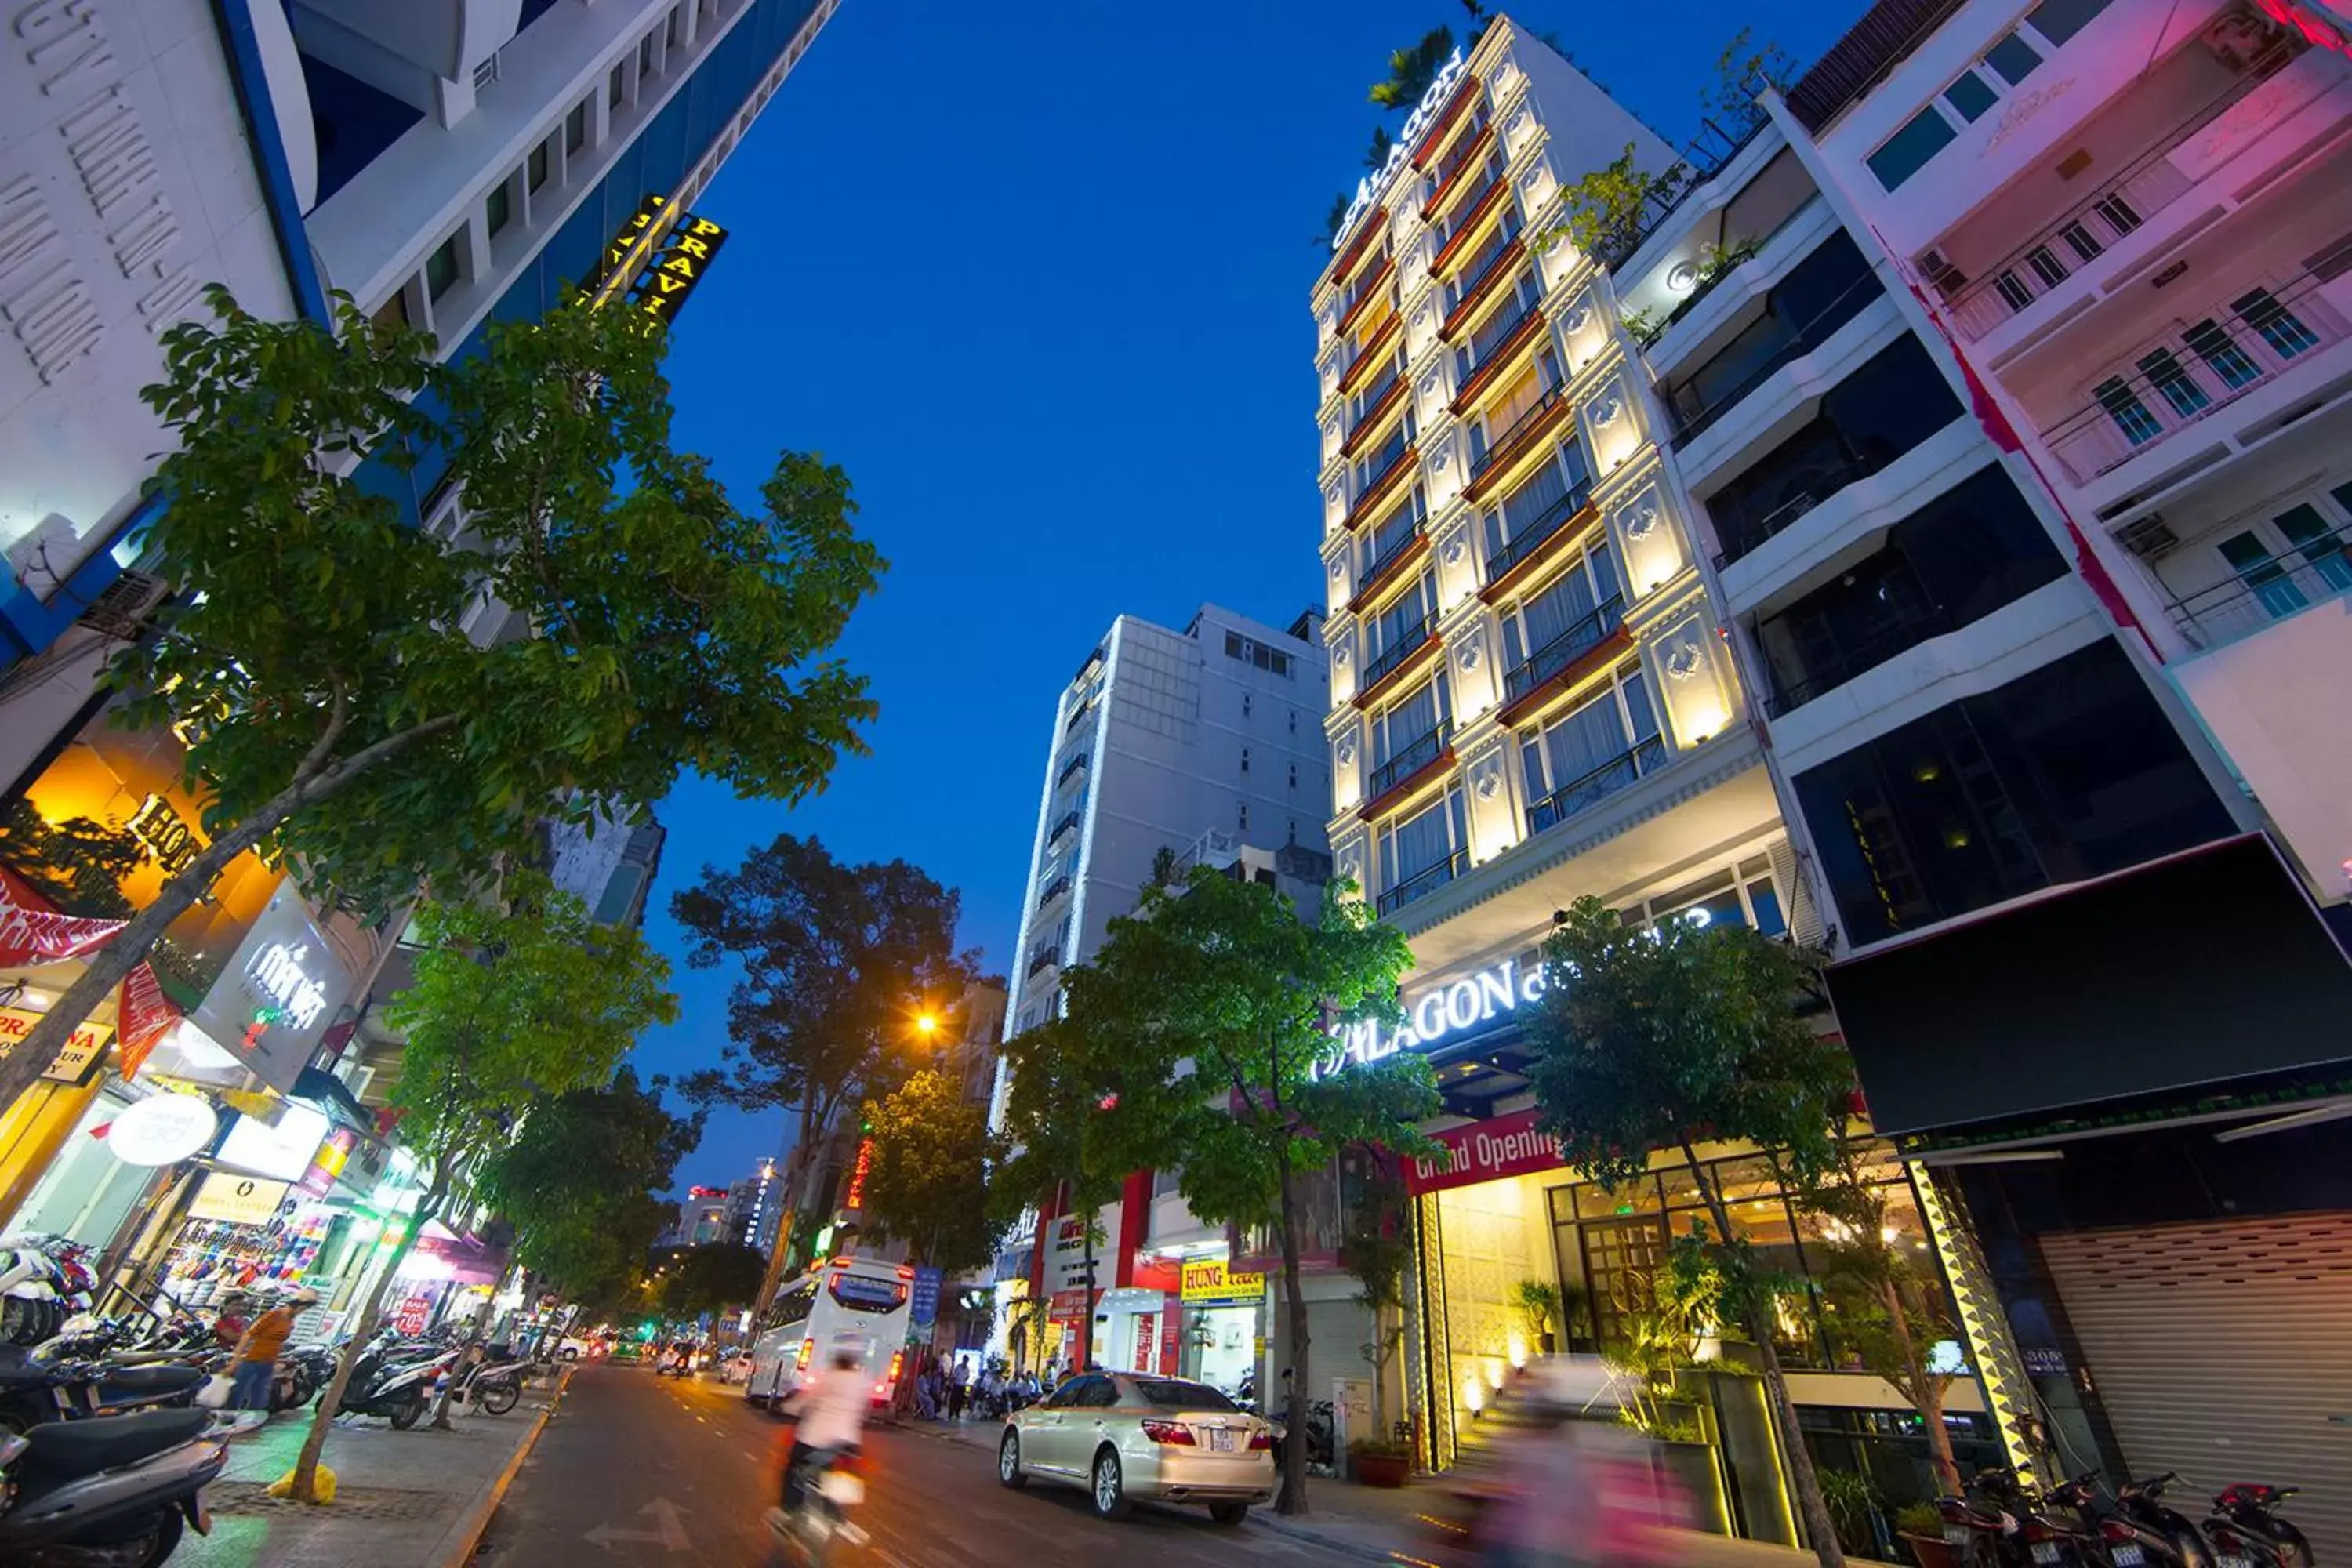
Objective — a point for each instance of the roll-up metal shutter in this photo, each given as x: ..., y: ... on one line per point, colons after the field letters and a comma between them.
x: 2224, y: 1352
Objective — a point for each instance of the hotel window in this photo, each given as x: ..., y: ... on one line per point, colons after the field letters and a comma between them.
x: 1968, y: 97
x: 1421, y: 852
x: 1473, y: 269
x: 1405, y: 619
x: 1393, y: 534
x: 1592, y: 751
x: 1252, y: 652
x: 614, y: 87
x: 1741, y: 894
x: 1244, y: 761
x: 1461, y: 202
x: 441, y: 268
x: 2131, y: 416
x: 1502, y: 414
x: 500, y: 206
x: 1498, y: 326
x: 1376, y: 463
x: 541, y: 160
x: 576, y: 127
x: 1555, y: 492
x: 2173, y: 383
x: 1410, y: 730
x: 1369, y: 395
x: 2279, y: 326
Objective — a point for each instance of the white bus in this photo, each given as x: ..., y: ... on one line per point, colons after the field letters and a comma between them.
x: 852, y: 1303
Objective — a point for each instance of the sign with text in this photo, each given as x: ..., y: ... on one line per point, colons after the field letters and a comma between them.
x: 1484, y: 1152
x: 73, y: 1062
x: 411, y: 1316
x: 275, y: 1001
x: 923, y: 1305
x: 1209, y: 1283
x: 239, y: 1200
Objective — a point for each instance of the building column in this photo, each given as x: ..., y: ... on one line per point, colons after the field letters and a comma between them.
x: 1428, y: 1359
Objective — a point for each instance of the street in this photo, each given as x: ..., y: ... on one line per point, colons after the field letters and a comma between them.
x: 636, y: 1469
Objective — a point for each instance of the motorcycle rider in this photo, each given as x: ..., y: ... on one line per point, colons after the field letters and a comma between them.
x: 1578, y: 1486
x: 833, y: 1420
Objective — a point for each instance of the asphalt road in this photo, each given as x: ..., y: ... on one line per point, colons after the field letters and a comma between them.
x: 636, y: 1469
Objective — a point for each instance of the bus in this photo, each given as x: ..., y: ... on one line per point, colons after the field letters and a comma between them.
x: 853, y: 1303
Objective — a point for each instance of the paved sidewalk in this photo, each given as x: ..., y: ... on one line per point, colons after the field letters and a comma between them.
x: 404, y: 1499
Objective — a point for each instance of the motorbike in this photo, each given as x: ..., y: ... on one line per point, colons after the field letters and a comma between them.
x: 2247, y: 1531
x: 113, y: 1492
x: 2144, y: 1532
x: 494, y: 1385
x: 2006, y: 1524
x: 384, y: 1383
x: 44, y: 1281
x: 830, y: 1487
x: 36, y: 1389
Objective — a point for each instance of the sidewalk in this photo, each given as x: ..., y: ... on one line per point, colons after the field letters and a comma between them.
x: 404, y: 1499
x: 1387, y: 1524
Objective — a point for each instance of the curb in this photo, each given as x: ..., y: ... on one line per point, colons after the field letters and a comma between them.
x: 458, y: 1545
x: 1282, y: 1526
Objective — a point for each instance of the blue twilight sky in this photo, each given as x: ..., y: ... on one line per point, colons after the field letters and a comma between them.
x: 1036, y: 275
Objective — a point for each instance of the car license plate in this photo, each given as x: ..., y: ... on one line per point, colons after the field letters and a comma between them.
x: 2227, y: 1560
x: 1955, y: 1536
x: 2045, y: 1552
x: 2128, y: 1557
x: 1221, y: 1440
x: 842, y: 1489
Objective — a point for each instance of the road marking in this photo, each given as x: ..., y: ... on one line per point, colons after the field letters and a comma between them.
x: 670, y: 1537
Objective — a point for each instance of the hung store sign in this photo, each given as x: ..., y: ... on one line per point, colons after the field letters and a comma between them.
x: 1433, y: 103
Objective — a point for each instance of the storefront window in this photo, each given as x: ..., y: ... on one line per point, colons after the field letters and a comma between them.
x: 86, y: 1193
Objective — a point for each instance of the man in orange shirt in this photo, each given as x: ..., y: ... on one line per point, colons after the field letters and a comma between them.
x: 256, y: 1351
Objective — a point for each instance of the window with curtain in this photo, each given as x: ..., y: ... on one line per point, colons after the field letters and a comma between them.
x: 1554, y: 490
x: 1408, y: 720
x: 1392, y: 531
x: 1541, y: 619
x: 1592, y: 750
x: 1403, y: 620
x: 1423, y: 841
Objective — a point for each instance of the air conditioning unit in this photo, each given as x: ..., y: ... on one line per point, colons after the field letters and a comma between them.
x: 2239, y: 38
x: 1936, y: 269
x: 2149, y: 537
x: 121, y: 607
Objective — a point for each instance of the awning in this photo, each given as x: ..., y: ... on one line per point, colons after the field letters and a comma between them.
x: 2196, y: 980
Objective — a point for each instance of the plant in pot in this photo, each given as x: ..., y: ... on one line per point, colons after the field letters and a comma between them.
x: 1576, y: 1318
x: 1537, y: 1304
x: 1853, y: 1502
x: 1921, y: 1528
x: 1375, y: 1248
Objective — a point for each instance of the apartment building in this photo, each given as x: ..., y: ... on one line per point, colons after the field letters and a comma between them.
x: 2005, y: 368
x: 445, y: 162
x: 1532, y: 697
x: 1166, y: 744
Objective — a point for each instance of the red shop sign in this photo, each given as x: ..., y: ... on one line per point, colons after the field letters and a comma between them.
x: 1484, y: 1151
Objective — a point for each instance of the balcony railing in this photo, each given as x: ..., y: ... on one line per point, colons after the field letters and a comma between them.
x: 2318, y: 571
x: 1826, y: 672
x: 1053, y: 890
x: 1043, y: 959
x: 1811, y: 487
x: 1466, y: 146
x: 1076, y: 764
x: 1376, y: 574
x: 1512, y: 437
x: 1422, y: 882
x: 1817, y: 329
x: 1602, y: 781
x: 1703, y: 157
x: 2122, y: 202
x: 1587, y: 634
x: 1077, y: 715
x: 1473, y: 214
x: 1537, y: 534
x: 1408, y: 642
x: 1375, y: 404
x: 1503, y: 264
x: 1375, y: 489
x: 1061, y: 827
x: 2171, y: 385
x: 1410, y: 759
x: 1363, y: 290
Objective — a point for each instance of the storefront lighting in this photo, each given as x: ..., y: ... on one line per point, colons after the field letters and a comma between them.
x: 1518, y: 1352
x: 1474, y: 1395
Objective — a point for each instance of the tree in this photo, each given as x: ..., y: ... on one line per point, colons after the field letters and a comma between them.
x: 837, y: 963
x: 1412, y: 70
x: 1221, y: 1001
x: 512, y: 1001
x: 1743, y: 70
x: 1063, y: 1136
x: 927, y: 1185
x: 577, y: 1182
x: 1375, y: 156
x: 1658, y: 1038
x: 1607, y: 208
x: 337, y: 709
x: 707, y: 1278
x: 1880, y: 1306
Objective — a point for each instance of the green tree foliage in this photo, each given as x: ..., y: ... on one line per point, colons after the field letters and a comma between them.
x: 1222, y: 1001
x: 577, y: 1182
x: 1659, y: 1039
x: 512, y: 1001
x: 836, y: 963
x: 77, y: 865
x: 928, y: 1182
x: 1375, y: 156
x: 716, y: 1278
x: 1412, y: 70
x: 1606, y: 208
x: 1376, y: 1246
x: 322, y: 657
x: 1742, y: 71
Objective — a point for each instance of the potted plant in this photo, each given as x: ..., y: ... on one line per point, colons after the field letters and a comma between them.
x: 1922, y: 1530
x: 1381, y: 1462
x: 1576, y: 1318
x: 1539, y: 1308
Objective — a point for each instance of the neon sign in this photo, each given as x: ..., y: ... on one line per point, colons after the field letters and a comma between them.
x: 1431, y: 103
x: 277, y: 970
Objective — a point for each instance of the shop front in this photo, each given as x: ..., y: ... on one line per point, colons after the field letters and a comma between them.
x: 1224, y: 1324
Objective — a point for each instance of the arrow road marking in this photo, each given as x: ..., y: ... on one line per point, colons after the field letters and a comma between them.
x: 670, y: 1537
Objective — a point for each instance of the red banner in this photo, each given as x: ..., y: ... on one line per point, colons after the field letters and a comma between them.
x: 1484, y: 1152
x: 30, y: 934
x: 143, y: 1015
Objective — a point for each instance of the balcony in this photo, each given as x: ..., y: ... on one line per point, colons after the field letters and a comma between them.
x: 1596, y: 786
x: 1825, y: 671
x: 1070, y: 770
x: 1373, y: 352
x: 1389, y: 569
x: 1400, y: 655
x: 1412, y: 759
x: 1077, y: 715
x: 1494, y: 360
x: 1373, y: 223
x: 1422, y: 882
x: 2318, y: 572
x: 1765, y: 349
x: 2176, y: 384
x: 1474, y: 293
x: 1043, y: 960
x: 1435, y: 137
x: 1053, y: 890
x: 1382, y: 400
x: 1365, y: 290
x: 1515, y: 442
x: 1568, y: 657
x: 1566, y: 518
x: 1454, y: 165
x: 1067, y: 825
x: 1475, y: 214
x: 1406, y: 461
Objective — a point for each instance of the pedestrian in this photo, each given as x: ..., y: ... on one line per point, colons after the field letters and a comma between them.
x: 958, y: 1388
x: 256, y: 1351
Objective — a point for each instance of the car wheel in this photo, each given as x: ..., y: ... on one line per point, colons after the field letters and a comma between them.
x: 1229, y: 1512
x: 1108, y: 1492
x: 570, y: 1353
x: 1008, y: 1463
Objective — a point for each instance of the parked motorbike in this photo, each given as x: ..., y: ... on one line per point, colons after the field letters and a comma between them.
x: 494, y: 1385
x: 2246, y: 1527
x: 397, y: 1388
x: 2144, y: 1532
x: 2006, y: 1524
x: 44, y: 1281
x: 115, y: 1492
x: 34, y: 1390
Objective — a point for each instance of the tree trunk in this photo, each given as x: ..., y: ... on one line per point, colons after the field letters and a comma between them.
x: 1810, y: 1505
x: 24, y: 1065
x: 1926, y: 1392
x: 331, y: 1403
x: 1292, y: 1500
x: 1085, y: 1357
x: 467, y: 1359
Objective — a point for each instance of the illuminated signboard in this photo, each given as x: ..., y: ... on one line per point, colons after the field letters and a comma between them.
x: 657, y: 259
x: 1431, y: 102
x: 857, y: 1198
x: 172, y: 842
x: 74, y: 1061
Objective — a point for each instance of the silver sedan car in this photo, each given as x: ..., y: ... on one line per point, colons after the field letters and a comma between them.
x: 1125, y: 1436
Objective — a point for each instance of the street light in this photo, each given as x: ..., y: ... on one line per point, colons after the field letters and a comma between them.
x: 927, y: 1024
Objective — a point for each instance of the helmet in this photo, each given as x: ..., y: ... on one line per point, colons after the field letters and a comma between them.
x: 1574, y: 1385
